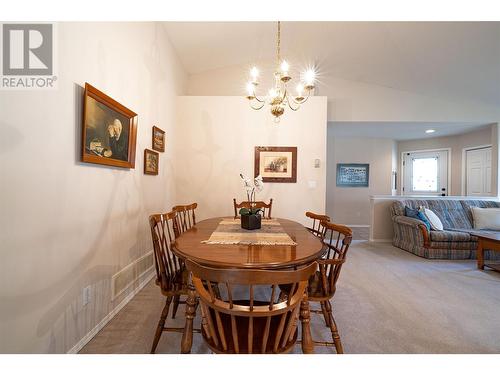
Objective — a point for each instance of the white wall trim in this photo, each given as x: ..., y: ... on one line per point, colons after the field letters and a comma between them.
x: 80, y: 344
x: 382, y: 240
x: 464, y: 167
x: 357, y: 225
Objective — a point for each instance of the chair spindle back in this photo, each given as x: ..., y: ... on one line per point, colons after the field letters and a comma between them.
x: 266, y: 207
x: 248, y: 325
x: 338, y: 239
x: 186, y: 218
x: 168, y: 265
x: 316, y: 227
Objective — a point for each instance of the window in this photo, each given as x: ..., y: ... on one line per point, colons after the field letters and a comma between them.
x: 425, y: 174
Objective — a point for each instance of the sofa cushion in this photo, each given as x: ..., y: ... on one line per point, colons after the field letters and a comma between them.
x: 416, y: 214
x: 432, y: 218
x: 447, y: 236
x: 451, y: 213
x: 411, y: 212
x: 467, y: 205
x: 486, y: 218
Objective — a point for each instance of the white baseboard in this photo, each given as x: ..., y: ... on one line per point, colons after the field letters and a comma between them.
x: 80, y: 344
x: 383, y: 240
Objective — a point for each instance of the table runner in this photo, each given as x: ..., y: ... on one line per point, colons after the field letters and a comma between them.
x: 229, y: 232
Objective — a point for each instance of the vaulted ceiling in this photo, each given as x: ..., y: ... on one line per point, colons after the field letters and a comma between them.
x: 442, y: 59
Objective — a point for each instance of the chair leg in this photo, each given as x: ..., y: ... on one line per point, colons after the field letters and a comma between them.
x: 326, y: 316
x: 333, y: 328
x: 176, y: 305
x: 161, y: 324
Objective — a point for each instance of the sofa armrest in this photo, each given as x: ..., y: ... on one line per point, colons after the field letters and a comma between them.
x: 405, y: 227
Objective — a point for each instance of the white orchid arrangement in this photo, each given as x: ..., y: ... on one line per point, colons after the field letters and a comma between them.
x: 251, y: 187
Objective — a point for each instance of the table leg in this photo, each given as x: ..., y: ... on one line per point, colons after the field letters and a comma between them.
x: 307, y: 343
x: 480, y: 254
x: 187, y: 336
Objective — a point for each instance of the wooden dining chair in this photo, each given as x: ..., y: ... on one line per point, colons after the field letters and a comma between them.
x: 322, y: 285
x: 186, y: 218
x: 266, y: 207
x: 316, y: 227
x: 247, y: 325
x: 171, y: 273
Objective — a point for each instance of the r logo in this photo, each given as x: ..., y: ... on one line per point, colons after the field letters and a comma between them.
x: 27, y: 49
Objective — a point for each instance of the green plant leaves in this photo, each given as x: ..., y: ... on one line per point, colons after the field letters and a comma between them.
x: 250, y: 211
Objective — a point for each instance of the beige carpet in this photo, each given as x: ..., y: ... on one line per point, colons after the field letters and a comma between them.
x: 388, y: 301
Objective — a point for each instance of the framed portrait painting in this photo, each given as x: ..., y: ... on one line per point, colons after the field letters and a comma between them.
x: 353, y: 175
x: 151, y: 162
x: 158, y: 139
x: 276, y: 164
x: 109, y: 130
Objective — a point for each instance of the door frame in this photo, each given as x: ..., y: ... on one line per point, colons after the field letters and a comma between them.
x: 402, y: 174
x: 464, y: 166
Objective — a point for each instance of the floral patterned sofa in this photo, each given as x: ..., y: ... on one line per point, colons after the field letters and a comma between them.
x: 456, y: 241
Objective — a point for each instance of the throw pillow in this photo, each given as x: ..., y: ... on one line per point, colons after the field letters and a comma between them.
x: 433, y: 219
x: 486, y: 218
x: 416, y: 214
x: 411, y: 212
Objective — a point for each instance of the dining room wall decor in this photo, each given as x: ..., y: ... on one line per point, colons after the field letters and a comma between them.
x: 151, y: 162
x: 158, y: 142
x: 109, y: 130
x: 276, y: 164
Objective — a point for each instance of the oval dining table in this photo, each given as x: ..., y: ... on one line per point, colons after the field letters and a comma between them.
x: 189, y: 245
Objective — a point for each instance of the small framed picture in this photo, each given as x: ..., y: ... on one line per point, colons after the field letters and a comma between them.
x: 276, y: 164
x: 353, y: 175
x: 109, y: 130
x: 158, y: 139
x: 151, y: 162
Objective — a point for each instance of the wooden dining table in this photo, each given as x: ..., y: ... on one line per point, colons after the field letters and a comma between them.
x: 189, y: 245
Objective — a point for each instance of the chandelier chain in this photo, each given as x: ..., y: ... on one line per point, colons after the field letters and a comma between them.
x: 278, y: 43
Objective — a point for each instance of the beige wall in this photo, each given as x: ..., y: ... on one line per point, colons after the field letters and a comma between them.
x: 349, y: 205
x: 217, y: 144
x: 65, y: 224
x: 353, y: 100
x: 457, y: 143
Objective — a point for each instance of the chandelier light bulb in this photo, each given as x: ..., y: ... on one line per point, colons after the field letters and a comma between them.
x: 254, y: 73
x: 250, y: 88
x: 284, y: 67
x: 309, y: 77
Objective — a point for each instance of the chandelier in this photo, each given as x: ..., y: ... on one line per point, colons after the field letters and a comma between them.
x: 278, y: 97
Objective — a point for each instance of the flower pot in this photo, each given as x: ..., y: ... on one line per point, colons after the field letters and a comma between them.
x: 250, y: 222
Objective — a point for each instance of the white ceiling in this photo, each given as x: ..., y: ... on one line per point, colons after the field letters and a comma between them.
x: 442, y: 59
x: 401, y: 130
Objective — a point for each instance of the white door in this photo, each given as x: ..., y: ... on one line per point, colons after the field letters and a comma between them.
x: 425, y: 173
x: 478, y: 172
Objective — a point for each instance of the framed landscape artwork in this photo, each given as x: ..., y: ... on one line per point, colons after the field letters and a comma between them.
x: 353, y: 175
x: 276, y: 164
x: 151, y: 162
x: 109, y: 130
x: 158, y: 139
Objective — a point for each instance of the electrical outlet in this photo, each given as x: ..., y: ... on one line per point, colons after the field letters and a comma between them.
x: 86, y: 295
